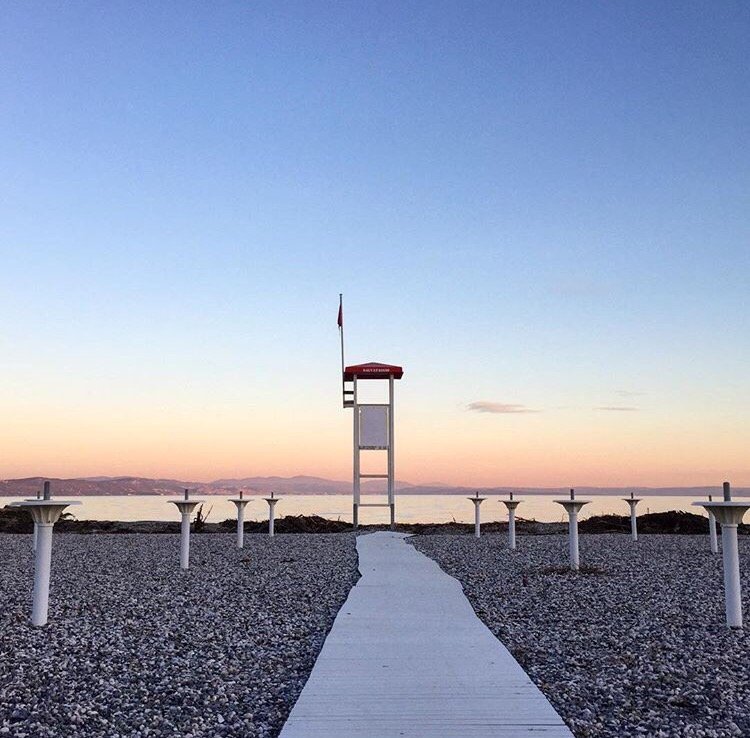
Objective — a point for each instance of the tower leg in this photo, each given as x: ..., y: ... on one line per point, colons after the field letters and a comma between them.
x: 393, y: 516
x: 355, y: 516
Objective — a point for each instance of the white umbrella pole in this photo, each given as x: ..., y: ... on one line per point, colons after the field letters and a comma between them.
x: 240, y: 526
x: 185, y: 541
x: 42, y: 566
x: 732, y: 591
x: 573, y: 539
x: 712, y: 533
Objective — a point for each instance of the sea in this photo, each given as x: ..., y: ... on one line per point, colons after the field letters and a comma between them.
x: 409, y: 508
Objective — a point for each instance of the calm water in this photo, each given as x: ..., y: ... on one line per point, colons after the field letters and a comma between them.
x: 409, y: 508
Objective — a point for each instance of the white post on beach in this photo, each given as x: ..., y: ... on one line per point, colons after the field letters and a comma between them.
x: 477, y: 500
x: 572, y: 506
x: 271, y: 513
x: 240, y: 502
x: 511, y: 504
x: 730, y: 515
x: 36, y: 526
x: 46, y: 512
x: 186, y: 507
x: 712, y: 537
x: 633, y: 501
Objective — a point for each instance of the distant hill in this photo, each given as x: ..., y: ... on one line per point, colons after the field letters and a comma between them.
x: 306, y: 485
x: 300, y: 485
x: 93, y: 486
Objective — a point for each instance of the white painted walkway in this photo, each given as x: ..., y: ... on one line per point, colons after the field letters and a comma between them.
x: 407, y: 657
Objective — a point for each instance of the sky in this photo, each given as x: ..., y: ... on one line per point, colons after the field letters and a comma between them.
x: 539, y: 209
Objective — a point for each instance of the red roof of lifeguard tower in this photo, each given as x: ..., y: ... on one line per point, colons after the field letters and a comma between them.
x: 373, y: 370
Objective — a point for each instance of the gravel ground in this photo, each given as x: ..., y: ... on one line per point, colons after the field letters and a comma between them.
x: 635, y: 645
x: 135, y: 647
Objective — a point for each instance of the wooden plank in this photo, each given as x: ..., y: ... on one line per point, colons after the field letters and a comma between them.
x: 407, y: 657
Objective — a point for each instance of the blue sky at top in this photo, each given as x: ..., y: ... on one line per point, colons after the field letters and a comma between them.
x: 534, y: 203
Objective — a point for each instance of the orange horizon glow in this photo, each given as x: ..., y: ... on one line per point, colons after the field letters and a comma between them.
x: 470, y: 451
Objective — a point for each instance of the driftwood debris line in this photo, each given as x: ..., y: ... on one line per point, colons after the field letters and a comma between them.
x: 14, y: 520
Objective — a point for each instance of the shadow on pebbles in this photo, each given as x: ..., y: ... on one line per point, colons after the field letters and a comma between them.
x: 135, y: 647
x: 634, y: 645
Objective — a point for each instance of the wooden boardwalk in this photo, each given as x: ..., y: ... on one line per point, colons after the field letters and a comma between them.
x: 408, y: 658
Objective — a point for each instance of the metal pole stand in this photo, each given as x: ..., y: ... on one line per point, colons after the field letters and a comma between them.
x: 45, y: 514
x: 271, y: 514
x: 240, y: 502
x: 511, y: 505
x: 730, y: 514
x: 477, y: 500
x: 572, y: 506
x: 186, y: 507
x: 633, y: 502
x: 39, y: 496
x: 712, y: 537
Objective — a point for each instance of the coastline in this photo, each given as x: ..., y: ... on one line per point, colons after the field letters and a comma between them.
x: 16, y: 521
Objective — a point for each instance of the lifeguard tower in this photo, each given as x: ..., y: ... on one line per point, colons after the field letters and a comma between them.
x: 373, y: 430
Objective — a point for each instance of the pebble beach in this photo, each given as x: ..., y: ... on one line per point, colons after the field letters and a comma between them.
x: 633, y: 645
x: 135, y: 647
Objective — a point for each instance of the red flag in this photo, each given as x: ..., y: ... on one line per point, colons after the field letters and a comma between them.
x: 340, y: 319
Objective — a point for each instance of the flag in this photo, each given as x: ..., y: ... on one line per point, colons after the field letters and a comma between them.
x: 340, y: 319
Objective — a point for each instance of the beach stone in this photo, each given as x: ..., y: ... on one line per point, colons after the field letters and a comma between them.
x: 136, y: 647
x: 633, y: 645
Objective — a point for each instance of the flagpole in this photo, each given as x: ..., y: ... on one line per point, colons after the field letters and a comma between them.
x: 341, y: 334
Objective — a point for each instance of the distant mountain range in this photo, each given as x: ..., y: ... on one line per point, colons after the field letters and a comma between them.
x: 304, y: 485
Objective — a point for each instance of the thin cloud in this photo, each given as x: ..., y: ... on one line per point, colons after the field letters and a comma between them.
x: 617, y: 409
x: 629, y: 393
x: 499, y: 408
